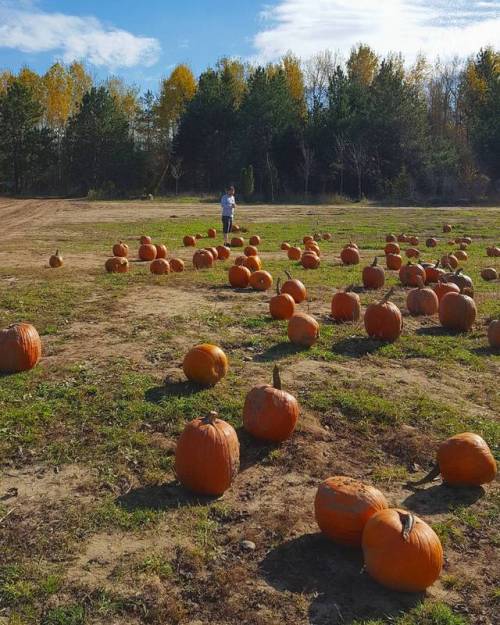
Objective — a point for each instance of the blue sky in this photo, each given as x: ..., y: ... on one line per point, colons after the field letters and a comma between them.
x: 142, y: 41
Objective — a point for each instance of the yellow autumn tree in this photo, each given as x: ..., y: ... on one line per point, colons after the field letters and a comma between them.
x: 176, y: 91
x: 362, y: 65
x: 235, y: 72
x: 125, y: 96
x: 81, y: 82
x: 58, y: 96
x: 295, y: 80
x: 6, y: 78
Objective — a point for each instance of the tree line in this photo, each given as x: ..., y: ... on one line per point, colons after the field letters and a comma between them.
x: 368, y: 126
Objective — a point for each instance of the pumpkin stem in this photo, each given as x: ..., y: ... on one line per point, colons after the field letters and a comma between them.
x: 288, y: 274
x: 408, y: 521
x: 387, y: 296
x: 211, y: 417
x: 278, y: 286
x: 432, y: 475
x: 276, y: 378
x: 437, y: 264
x: 375, y: 261
x: 459, y: 271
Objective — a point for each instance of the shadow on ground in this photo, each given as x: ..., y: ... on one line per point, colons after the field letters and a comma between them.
x: 357, y: 346
x: 162, y: 497
x: 441, y: 498
x: 171, y: 389
x: 341, y: 592
x: 280, y: 350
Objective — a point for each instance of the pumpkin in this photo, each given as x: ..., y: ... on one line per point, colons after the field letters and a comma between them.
x: 261, y: 280
x: 237, y: 242
x: 383, y: 320
x: 269, y: 413
x: 307, y: 238
x: 205, y: 364
x: 310, y: 260
x: 254, y: 240
x: 239, y: 260
x: 346, y: 306
x: 295, y: 288
x: 147, y: 252
x: 212, y: 233
x: 449, y: 260
x: 442, y: 288
x: 466, y: 240
x: 253, y: 263
x: 431, y: 242
x: 159, y: 266
x: 235, y: 228
x: 451, y: 242
x: 422, y: 301
x: 239, y: 276
x: 409, y: 274
x: 463, y: 246
x: 401, y: 551
x: 161, y: 251
x: 317, y: 236
x: 402, y: 238
x: 145, y: 240
x: 116, y: 264
x: 177, y: 265
x: 251, y: 250
x: 493, y: 251
x: 327, y: 236
x: 285, y: 246
x: 460, y: 279
x: 342, y: 507
x: 282, y: 305
x: 373, y: 276
x: 20, y: 348
x: 56, y: 260
x: 489, y: 273
x: 414, y: 241
x: 494, y: 334
x: 457, y: 312
x: 391, y: 238
x: 207, y: 457
x: 393, y: 261
x: 447, y: 227
x: 412, y: 252
x: 223, y: 252
x: 213, y: 251
x: 203, y: 259
x: 198, y: 236
x: 313, y: 247
x: 460, y: 255
x: 294, y: 253
x: 120, y: 249
x: 350, y: 256
x: 433, y: 273
x: 392, y: 248
x: 189, y: 241
x: 466, y: 460
x: 303, y: 329
x: 351, y: 244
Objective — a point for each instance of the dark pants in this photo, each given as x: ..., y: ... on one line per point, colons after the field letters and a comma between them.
x: 227, y: 224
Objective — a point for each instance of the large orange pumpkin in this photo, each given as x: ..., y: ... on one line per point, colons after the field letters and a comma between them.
x: 20, y: 348
x: 253, y: 263
x: 207, y: 457
x: 466, y: 460
x: 457, y: 312
x: 393, y: 261
x: 261, y: 280
x: 223, y: 252
x: 401, y: 551
x: 443, y: 288
x: 205, y: 364
x: 251, y: 250
x: 161, y: 251
x: 237, y: 242
x: 56, y: 260
x: 409, y: 274
x: 422, y: 301
x: 392, y: 248
x: 295, y: 288
x: 342, y: 507
x: 373, y: 276
x: 203, y: 259
x: 269, y: 412
x: 116, y: 264
x: 147, y: 252
x: 303, y: 329
x: 120, y: 249
x: 494, y: 333
x: 346, y: 306
x: 189, y: 241
x: 282, y: 305
x: 433, y: 273
x: 294, y: 253
x: 177, y: 265
x: 159, y: 266
x: 383, y: 321
x: 310, y: 260
x: 350, y: 256
x: 239, y: 276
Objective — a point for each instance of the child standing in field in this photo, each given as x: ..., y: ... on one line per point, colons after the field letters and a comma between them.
x: 228, y: 204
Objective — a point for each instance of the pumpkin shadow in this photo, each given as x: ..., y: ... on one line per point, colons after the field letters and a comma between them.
x: 171, y: 389
x: 357, y: 346
x: 160, y: 497
x: 435, y: 331
x: 441, y: 498
x: 280, y: 350
x: 333, y: 575
x: 252, y: 451
x: 486, y: 350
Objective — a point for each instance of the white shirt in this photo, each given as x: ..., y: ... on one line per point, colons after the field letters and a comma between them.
x: 227, y: 204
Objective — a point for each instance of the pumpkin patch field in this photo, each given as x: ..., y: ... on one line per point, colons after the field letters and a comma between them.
x: 302, y: 429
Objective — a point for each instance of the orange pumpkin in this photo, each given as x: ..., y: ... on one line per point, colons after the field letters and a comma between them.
x: 223, y: 252
x: 147, y: 252
x: 235, y: 228
x: 198, y: 236
x: 447, y: 227
x: 303, y: 329
x: 431, y: 242
x: 117, y: 264
x: 145, y: 240
x: 295, y: 288
x: 414, y: 241
x: 189, y: 241
x: 205, y: 364
x: 401, y: 551
x: 261, y: 280
x: 403, y: 238
x: 120, y: 249
x: 433, y: 273
x: 285, y: 246
x: 350, y: 256
x: 449, y: 260
x: 310, y: 260
x: 373, y: 276
x: 282, y: 305
x: 392, y: 248
x: 254, y: 240
x: 253, y: 263
x: 239, y: 276
x: 346, y: 306
x: 494, y: 333
x: 207, y: 457
x: 212, y: 233
x: 493, y: 251
x: 393, y: 261
x: 159, y: 266
x: 412, y: 252
x: 442, y: 288
x: 237, y: 242
x: 422, y: 301
x: 203, y: 259
x: 312, y: 246
x: 251, y: 250
x: 383, y: 321
x: 269, y: 413
x: 327, y: 236
x: 294, y: 253
x: 307, y: 238
x: 177, y: 265
x: 20, y: 348
x: 461, y: 255
x: 342, y: 507
x: 391, y: 238
x: 457, y: 312
x: 161, y: 251
x: 409, y: 274
x: 489, y: 273
x: 56, y: 260
x: 213, y: 251
x: 240, y: 260
x: 466, y: 460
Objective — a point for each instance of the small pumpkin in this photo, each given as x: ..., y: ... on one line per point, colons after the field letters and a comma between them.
x: 203, y: 259
x: 212, y: 233
x: 317, y: 236
x: 460, y: 279
x: 117, y: 264
x: 346, y: 306
x: 261, y: 280
x: 254, y: 240
x: 313, y: 247
x: 327, y: 236
x: 412, y: 252
x: 177, y: 265
x: 410, y: 273
x: 205, y: 364
x: 461, y: 255
x: 489, y: 273
x: 160, y: 266
x: 433, y: 273
x: 235, y: 228
x: 189, y: 241
x: 422, y: 301
x: 383, y: 321
x: 310, y: 260
x: 253, y: 263
x: 307, y: 238
x: 282, y: 305
x: 120, y: 249
x: 161, y: 251
x: 303, y: 329
x: 393, y: 261
x: 20, y: 348
x: 251, y: 250
x: 449, y: 260
x: 237, y: 242
x: 466, y: 460
x: 350, y: 256
x: 403, y: 238
x: 285, y: 246
x: 442, y: 288
x: 392, y: 248
x: 342, y: 507
x: 295, y: 288
x: 213, y: 251
x: 414, y: 241
x: 223, y: 252
x: 401, y: 551
x: 391, y: 238
x: 198, y: 236
x: 56, y: 260
x: 147, y: 252
x: 294, y: 253
x: 373, y: 276
x: 431, y: 242
x: 493, y: 251
x: 207, y: 457
x: 457, y: 312
x: 494, y: 333
x: 269, y: 413
x: 239, y: 276
x: 447, y: 227
x: 239, y: 260
x: 145, y: 240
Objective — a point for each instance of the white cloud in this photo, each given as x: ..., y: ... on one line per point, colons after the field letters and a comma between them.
x: 71, y: 37
x: 435, y: 27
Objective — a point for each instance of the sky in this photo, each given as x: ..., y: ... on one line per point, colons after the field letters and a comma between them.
x: 143, y: 40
